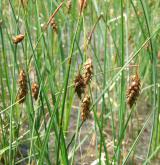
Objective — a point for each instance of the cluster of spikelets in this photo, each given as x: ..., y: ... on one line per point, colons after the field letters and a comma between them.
x: 133, y: 90
x: 80, y: 84
x: 23, y: 88
x: 82, y: 4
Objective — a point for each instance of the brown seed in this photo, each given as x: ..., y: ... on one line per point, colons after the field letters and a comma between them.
x: 35, y: 90
x: 18, y: 38
x: 133, y: 90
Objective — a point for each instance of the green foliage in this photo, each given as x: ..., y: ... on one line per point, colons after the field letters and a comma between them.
x: 121, y: 38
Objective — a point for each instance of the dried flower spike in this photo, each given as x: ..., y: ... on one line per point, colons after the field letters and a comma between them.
x: 79, y: 85
x: 18, y: 38
x: 82, y: 5
x: 88, y: 71
x: 23, y: 90
x: 54, y: 25
x: 35, y: 90
x: 133, y: 90
x: 85, y: 107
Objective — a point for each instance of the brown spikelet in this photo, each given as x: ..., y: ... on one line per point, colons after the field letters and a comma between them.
x: 85, y: 107
x: 54, y: 25
x: 88, y: 71
x: 79, y: 85
x: 133, y: 90
x: 35, y: 90
x: 18, y: 38
x: 23, y: 89
x: 82, y: 5
x: 69, y: 5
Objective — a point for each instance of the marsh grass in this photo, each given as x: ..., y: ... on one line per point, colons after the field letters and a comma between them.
x: 118, y: 36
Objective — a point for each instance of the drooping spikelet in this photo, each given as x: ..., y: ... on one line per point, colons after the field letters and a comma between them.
x: 35, y: 90
x: 53, y: 24
x: 23, y: 89
x: 82, y: 5
x: 69, y: 5
x: 88, y: 71
x: 79, y: 85
x: 85, y: 107
x: 133, y: 90
x: 18, y: 38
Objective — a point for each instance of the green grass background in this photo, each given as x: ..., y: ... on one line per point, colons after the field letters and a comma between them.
x: 125, y: 35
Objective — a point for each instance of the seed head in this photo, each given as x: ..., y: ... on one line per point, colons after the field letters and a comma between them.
x: 88, y: 71
x: 35, y: 90
x: 23, y: 89
x: 79, y: 85
x: 17, y: 39
x: 133, y: 90
x: 54, y: 25
x: 85, y: 107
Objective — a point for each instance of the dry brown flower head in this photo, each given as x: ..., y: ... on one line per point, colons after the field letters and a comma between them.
x: 53, y: 24
x: 79, y: 85
x: 17, y: 39
x: 23, y: 89
x: 88, y: 70
x: 85, y: 107
x: 133, y: 90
